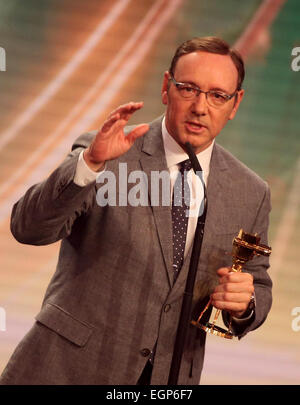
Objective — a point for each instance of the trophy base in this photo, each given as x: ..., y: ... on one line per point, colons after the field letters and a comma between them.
x: 213, y: 329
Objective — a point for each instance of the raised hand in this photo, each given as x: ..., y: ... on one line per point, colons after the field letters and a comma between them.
x: 111, y: 141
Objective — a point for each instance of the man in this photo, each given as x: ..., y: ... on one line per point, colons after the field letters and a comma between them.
x: 111, y: 311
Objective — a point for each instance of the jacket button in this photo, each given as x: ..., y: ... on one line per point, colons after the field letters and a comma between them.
x: 167, y: 307
x: 145, y: 352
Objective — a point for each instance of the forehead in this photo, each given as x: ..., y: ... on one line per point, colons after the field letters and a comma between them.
x: 207, y: 70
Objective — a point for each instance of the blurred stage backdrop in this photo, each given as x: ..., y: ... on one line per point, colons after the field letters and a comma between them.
x: 66, y: 63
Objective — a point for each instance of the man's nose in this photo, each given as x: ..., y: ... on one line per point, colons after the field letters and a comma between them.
x: 199, y: 105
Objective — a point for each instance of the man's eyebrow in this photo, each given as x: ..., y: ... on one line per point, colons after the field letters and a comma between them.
x: 188, y: 82
x: 221, y: 90
x: 213, y: 89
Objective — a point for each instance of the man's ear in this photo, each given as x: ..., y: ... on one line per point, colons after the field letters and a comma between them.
x: 165, y: 87
x: 238, y: 100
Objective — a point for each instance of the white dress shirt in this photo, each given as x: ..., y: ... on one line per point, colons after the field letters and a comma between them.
x: 174, y: 155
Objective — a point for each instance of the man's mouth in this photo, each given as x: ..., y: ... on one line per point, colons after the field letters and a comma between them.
x: 194, y: 127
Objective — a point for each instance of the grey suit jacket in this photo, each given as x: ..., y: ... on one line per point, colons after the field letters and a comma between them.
x: 111, y: 297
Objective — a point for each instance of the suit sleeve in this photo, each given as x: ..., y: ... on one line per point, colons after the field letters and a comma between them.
x: 47, y: 211
x: 258, y: 268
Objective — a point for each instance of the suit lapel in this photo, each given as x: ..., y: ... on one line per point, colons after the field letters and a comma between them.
x: 216, y: 191
x: 223, y: 210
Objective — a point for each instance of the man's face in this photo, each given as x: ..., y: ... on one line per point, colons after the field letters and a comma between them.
x: 194, y: 120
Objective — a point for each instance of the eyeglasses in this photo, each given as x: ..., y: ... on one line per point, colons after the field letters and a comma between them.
x: 214, y: 98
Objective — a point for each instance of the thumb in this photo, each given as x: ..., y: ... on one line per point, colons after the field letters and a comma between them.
x: 137, y: 132
x: 223, y: 271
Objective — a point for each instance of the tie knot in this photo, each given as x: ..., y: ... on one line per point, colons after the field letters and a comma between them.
x: 186, y: 165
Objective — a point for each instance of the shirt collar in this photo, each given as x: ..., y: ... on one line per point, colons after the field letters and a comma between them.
x: 175, y: 154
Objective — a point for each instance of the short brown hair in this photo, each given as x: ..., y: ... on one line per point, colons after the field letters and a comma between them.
x: 211, y: 45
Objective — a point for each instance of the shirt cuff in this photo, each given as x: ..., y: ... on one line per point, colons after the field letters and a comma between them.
x: 83, y: 174
x: 241, y: 320
x: 249, y: 311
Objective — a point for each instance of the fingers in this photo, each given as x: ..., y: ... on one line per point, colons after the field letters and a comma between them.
x: 233, y: 292
x: 120, y: 116
x: 220, y: 298
x: 227, y: 276
x: 235, y: 308
x: 223, y: 271
x: 236, y: 287
x: 137, y: 132
x: 235, y: 303
x: 111, y: 140
x: 109, y: 122
x: 126, y: 110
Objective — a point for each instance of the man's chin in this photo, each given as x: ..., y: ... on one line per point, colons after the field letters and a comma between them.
x: 197, y: 145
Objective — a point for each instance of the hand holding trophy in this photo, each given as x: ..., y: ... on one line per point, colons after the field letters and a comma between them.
x: 245, y: 247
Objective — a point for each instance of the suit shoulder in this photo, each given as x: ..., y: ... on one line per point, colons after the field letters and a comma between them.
x: 84, y: 140
x: 238, y: 169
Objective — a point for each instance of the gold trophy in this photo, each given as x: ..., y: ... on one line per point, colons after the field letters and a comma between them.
x: 245, y: 247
